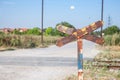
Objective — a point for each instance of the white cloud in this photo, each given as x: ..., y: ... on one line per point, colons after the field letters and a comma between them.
x: 72, y: 7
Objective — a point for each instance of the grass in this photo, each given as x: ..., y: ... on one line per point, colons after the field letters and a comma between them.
x: 109, y: 53
x: 26, y: 41
x: 96, y: 73
x: 7, y: 49
x: 112, y: 40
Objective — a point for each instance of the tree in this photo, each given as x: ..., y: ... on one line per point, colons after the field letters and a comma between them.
x: 66, y: 24
x: 111, y: 30
x: 59, y: 33
x: 34, y: 31
x: 49, y: 31
x: 16, y: 31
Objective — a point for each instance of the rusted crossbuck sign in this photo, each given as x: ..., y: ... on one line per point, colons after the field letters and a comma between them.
x: 79, y: 34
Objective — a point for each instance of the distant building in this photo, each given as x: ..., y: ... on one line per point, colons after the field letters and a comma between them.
x: 22, y: 29
x: 7, y: 30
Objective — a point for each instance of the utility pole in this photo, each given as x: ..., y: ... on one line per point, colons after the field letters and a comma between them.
x: 42, y: 14
x: 102, y: 7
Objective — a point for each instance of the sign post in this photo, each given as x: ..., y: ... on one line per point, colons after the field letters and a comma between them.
x: 80, y: 59
x: 79, y: 34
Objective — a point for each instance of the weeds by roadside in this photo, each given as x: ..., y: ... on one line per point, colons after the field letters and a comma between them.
x: 25, y: 41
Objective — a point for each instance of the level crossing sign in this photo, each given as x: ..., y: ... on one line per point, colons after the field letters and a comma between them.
x: 79, y: 34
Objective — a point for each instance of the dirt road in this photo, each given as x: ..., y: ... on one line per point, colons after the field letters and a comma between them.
x: 51, y: 63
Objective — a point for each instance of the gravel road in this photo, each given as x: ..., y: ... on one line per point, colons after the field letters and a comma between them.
x: 51, y: 63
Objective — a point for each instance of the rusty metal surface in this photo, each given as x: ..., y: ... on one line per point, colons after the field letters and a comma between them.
x: 80, y: 76
x: 70, y: 38
x: 98, y: 40
x: 80, y: 58
x: 81, y: 33
x: 65, y: 40
x: 88, y: 29
x: 65, y: 29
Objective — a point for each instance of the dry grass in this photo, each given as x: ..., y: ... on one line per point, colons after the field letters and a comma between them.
x: 95, y: 73
x: 108, y: 53
x: 111, y: 48
x: 25, y: 41
x: 112, y: 40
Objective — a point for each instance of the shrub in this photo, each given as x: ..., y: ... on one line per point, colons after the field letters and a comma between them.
x: 34, y: 31
x: 115, y: 40
x: 111, y: 30
x: 49, y: 31
x: 107, y: 40
x: 112, y: 40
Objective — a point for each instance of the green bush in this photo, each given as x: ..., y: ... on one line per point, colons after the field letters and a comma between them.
x: 107, y: 40
x: 49, y: 31
x: 15, y: 41
x: 112, y: 40
x: 34, y: 31
x: 111, y: 30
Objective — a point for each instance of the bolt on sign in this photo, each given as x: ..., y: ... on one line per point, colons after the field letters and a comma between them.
x: 79, y: 34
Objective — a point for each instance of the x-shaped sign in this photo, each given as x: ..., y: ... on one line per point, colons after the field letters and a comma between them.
x: 83, y: 33
x: 79, y: 34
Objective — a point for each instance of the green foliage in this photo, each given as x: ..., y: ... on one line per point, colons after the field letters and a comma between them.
x: 49, y: 31
x: 1, y: 33
x: 1, y: 39
x: 34, y: 31
x: 112, y: 40
x: 16, y: 31
x: 118, y: 75
x: 111, y: 30
x: 97, y: 33
x: 58, y: 33
x: 15, y: 41
x: 66, y: 24
x: 108, y: 31
x: 107, y: 39
x: 53, y: 32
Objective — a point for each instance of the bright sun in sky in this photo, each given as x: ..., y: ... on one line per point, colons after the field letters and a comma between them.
x: 72, y: 7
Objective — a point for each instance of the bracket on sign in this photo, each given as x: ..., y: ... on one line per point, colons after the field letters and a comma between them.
x: 79, y: 34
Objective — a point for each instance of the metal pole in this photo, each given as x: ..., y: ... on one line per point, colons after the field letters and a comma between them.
x: 80, y: 59
x: 102, y: 6
x: 42, y: 14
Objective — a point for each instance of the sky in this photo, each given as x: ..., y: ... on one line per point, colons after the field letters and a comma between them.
x: 79, y: 13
